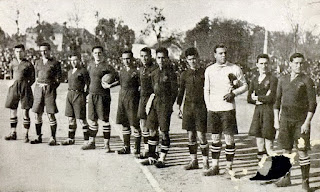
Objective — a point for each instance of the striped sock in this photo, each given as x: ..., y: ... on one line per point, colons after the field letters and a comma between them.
x: 13, y: 122
x: 26, y: 123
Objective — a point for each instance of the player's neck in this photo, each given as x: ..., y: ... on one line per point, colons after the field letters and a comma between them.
x: 293, y: 75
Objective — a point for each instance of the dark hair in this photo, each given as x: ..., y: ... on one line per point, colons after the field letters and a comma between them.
x: 220, y: 45
x: 45, y: 45
x: 128, y: 52
x: 296, y: 55
x: 162, y: 50
x: 147, y: 50
x: 74, y: 53
x: 20, y: 46
x: 97, y: 47
x: 191, y: 51
x: 264, y: 56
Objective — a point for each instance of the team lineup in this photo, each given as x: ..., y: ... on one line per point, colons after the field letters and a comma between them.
x: 205, y: 96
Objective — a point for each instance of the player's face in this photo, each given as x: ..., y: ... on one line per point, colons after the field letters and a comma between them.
x: 97, y: 54
x: 161, y: 59
x: 144, y: 57
x: 263, y: 65
x: 220, y: 55
x: 74, y: 60
x: 296, y: 65
x: 45, y: 52
x: 127, y: 59
x: 19, y: 53
x: 192, y: 61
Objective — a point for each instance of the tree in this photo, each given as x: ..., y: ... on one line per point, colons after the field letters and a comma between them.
x: 155, y: 21
x: 114, y: 36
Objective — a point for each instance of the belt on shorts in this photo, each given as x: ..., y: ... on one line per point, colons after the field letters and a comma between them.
x: 74, y: 90
x: 43, y: 84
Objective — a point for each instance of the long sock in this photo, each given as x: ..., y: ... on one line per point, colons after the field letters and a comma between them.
x: 38, y: 128
x: 107, y: 131
x: 126, y: 137
x: 72, y: 131
x: 26, y: 123
x: 53, y: 126
x: 215, y: 151
x: 137, y: 142
x: 85, y: 132
x: 230, y: 151
x: 305, y: 167
x: 93, y: 130
x: 13, y: 122
x: 153, y: 142
x: 193, y: 148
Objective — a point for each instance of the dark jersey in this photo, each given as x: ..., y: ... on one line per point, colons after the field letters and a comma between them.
x: 165, y: 86
x: 129, y: 81
x: 78, y: 79
x: 49, y: 73
x: 23, y: 71
x: 191, y: 82
x: 145, y: 80
x: 268, y: 84
x: 296, y: 97
x: 96, y: 72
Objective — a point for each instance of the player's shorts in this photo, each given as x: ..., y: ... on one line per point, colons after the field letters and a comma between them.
x: 142, y: 107
x: 127, y: 111
x: 76, y: 104
x: 262, y: 124
x: 45, y: 97
x: 222, y: 122
x: 19, y: 91
x: 99, y: 107
x: 194, y: 117
x: 290, y: 132
x: 159, y: 116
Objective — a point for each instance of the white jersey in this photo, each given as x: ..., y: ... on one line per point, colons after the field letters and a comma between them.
x: 217, y: 85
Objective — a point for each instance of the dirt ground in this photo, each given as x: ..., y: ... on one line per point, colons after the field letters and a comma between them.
x: 25, y: 167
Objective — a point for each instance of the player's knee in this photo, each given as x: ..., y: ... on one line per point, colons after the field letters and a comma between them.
x: 202, y: 138
x: 38, y: 119
x: 52, y: 117
x: 72, y: 121
x: 229, y: 139
x: 92, y: 122
x: 153, y: 133
x: 83, y: 122
x: 216, y: 138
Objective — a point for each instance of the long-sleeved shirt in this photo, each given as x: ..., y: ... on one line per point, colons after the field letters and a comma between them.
x: 217, y: 85
x: 191, y: 85
x: 145, y: 80
x: 165, y: 85
x: 79, y: 79
x: 49, y: 73
x: 267, y: 85
x: 23, y: 71
x: 296, y: 98
x: 96, y: 72
x: 129, y: 82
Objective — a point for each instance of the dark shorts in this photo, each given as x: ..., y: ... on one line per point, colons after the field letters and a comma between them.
x: 19, y: 91
x: 76, y: 105
x: 262, y: 124
x: 222, y: 122
x: 45, y: 97
x: 194, y: 117
x: 127, y: 111
x: 142, y: 107
x: 159, y: 116
x: 99, y: 107
x: 290, y: 132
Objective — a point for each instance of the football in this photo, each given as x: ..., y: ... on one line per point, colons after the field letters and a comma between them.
x: 107, y: 78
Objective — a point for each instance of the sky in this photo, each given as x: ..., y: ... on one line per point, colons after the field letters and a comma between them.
x: 181, y: 15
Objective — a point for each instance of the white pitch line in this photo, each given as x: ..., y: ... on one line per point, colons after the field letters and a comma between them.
x: 153, y: 182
